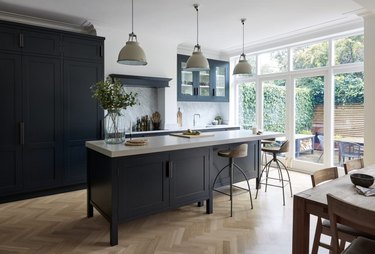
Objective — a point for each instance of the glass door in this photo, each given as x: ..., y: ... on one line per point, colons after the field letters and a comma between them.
x: 309, y: 119
x: 220, y: 72
x: 186, y: 81
x: 349, y: 120
x: 274, y: 105
x: 204, y: 83
x: 247, y: 105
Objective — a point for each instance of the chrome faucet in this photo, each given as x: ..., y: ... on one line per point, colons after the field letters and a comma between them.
x: 194, y: 118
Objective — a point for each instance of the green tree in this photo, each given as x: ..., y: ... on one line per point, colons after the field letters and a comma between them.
x: 311, y: 56
x: 349, y: 49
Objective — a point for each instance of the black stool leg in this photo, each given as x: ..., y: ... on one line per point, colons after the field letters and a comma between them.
x: 247, y: 181
x: 231, y: 186
x: 287, y: 172
x: 282, y: 179
x: 260, y: 177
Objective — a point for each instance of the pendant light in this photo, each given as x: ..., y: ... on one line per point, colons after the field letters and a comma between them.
x: 197, y: 61
x: 243, y: 67
x: 132, y: 53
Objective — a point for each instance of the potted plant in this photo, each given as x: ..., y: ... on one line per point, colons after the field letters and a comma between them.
x: 219, y: 119
x: 112, y: 98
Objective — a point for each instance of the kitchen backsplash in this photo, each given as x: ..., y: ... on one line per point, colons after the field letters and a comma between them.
x: 207, y: 111
x: 148, y: 99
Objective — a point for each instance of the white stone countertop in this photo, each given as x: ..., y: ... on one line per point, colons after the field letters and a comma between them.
x: 169, y: 143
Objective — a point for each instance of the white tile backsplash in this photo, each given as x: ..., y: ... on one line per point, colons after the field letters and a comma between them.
x: 148, y: 103
x: 207, y: 110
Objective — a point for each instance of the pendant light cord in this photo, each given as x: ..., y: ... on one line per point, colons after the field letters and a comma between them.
x: 196, y: 8
x: 132, y: 18
x: 243, y: 35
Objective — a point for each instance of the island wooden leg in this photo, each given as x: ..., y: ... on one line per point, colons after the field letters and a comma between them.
x: 113, y: 233
x: 90, y: 209
x: 209, y: 206
x: 301, y: 226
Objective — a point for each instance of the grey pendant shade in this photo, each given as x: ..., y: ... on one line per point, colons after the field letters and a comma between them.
x: 197, y: 61
x: 243, y: 67
x: 132, y: 53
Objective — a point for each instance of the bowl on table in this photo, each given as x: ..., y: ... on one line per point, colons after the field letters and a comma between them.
x: 362, y: 179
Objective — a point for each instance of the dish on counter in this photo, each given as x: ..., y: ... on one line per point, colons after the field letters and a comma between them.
x: 136, y: 142
x: 191, y: 132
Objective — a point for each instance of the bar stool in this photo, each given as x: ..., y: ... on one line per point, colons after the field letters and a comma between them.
x: 276, y: 151
x: 237, y: 152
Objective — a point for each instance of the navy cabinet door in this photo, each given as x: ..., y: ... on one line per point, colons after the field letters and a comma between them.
x: 82, y: 116
x: 189, y: 176
x: 143, y: 186
x: 10, y: 127
x: 42, y: 149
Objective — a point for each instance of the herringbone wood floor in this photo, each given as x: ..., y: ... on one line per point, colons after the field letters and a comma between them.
x: 58, y: 224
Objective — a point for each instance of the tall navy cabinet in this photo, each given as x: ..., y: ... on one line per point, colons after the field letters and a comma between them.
x: 46, y: 108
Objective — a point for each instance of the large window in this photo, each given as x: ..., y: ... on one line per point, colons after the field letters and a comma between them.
x: 349, y: 49
x: 288, y: 93
x: 310, y: 56
x: 273, y: 62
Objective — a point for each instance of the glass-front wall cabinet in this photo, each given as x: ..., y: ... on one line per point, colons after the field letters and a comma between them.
x: 186, y: 83
x: 211, y: 85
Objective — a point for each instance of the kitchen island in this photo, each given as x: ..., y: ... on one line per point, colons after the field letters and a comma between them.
x: 126, y: 182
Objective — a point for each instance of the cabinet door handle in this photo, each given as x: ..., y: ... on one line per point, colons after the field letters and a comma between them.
x: 255, y: 156
x: 213, y: 92
x: 22, y: 133
x: 21, y: 42
x: 101, y: 51
x: 170, y: 169
x: 101, y: 129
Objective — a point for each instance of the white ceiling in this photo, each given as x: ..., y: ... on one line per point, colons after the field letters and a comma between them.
x: 219, y: 21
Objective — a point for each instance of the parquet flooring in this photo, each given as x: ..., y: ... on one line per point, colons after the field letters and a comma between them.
x: 58, y: 224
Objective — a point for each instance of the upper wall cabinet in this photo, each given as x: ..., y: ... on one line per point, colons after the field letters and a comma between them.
x: 29, y: 40
x: 212, y: 85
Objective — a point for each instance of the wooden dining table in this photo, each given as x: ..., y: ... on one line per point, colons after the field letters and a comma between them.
x: 314, y: 202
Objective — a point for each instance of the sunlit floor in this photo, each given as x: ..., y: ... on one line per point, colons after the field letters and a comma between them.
x: 58, y: 224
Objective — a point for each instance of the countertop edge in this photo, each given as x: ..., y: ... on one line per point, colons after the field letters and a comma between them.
x: 171, y: 143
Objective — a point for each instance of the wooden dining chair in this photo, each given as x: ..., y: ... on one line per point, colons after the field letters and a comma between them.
x: 353, y: 216
x: 353, y: 164
x: 322, y: 225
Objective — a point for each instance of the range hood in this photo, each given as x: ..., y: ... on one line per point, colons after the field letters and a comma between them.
x: 142, y: 81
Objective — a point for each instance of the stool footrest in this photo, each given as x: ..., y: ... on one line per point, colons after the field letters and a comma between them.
x: 222, y: 192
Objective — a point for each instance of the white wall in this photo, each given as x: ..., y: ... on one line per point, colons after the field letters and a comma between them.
x: 369, y: 32
x: 161, y: 54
